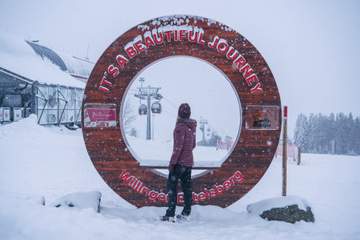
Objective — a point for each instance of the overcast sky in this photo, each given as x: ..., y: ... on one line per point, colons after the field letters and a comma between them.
x: 312, y: 47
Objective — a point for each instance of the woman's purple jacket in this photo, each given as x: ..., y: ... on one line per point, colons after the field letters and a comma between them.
x: 184, y: 142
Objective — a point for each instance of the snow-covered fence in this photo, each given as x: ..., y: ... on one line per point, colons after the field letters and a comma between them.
x: 55, y: 104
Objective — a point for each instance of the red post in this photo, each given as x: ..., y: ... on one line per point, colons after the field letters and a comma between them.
x: 284, y: 153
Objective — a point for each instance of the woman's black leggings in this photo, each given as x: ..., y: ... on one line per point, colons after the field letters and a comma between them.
x: 184, y: 174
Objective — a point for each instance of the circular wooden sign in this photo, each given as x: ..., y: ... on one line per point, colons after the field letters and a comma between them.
x: 221, y: 47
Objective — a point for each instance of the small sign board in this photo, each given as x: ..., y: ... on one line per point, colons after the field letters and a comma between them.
x: 18, y: 113
x: 5, y: 114
x: 259, y: 117
x: 99, y: 115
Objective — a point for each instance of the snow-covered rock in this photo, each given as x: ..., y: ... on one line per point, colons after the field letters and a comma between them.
x: 288, y: 209
x: 277, y: 202
x: 80, y: 200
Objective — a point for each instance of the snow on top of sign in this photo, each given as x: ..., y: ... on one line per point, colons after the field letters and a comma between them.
x: 166, y: 28
x: 210, y: 22
x: 172, y: 28
x: 278, y: 202
x: 183, y: 20
x: 143, y: 27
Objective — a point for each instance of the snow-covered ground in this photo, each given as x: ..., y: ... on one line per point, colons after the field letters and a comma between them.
x: 51, y: 162
x: 159, y: 152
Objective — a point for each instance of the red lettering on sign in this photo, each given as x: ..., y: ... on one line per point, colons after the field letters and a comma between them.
x: 121, y: 60
x: 130, y: 51
x: 214, y: 43
x: 149, y: 41
x: 180, y: 198
x: 256, y: 89
x: 182, y: 35
x: 222, y: 47
x: 139, y: 46
x: 105, y: 84
x: 219, y: 189
x: 232, y: 54
x: 168, y: 35
x: 252, y: 79
x: 162, y: 197
x: 124, y: 175
x: 113, y: 71
x: 176, y: 35
x: 193, y: 36
x: 152, y: 195
x: 202, y: 196
x: 158, y: 37
x: 239, y: 62
x: 104, y: 89
x: 227, y: 185
x: 201, y: 41
x: 195, y: 197
x: 246, y: 70
x: 145, y: 190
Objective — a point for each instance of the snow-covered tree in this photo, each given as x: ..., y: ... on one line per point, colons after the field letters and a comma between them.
x: 318, y: 133
x: 128, y: 117
x: 301, y: 132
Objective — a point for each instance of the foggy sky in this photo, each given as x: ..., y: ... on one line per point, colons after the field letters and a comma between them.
x: 312, y: 47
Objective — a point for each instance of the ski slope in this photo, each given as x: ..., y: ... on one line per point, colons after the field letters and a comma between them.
x: 51, y: 162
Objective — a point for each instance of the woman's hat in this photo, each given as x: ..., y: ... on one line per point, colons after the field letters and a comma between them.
x: 184, y: 111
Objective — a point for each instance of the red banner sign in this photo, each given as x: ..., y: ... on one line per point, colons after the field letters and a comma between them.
x: 99, y: 115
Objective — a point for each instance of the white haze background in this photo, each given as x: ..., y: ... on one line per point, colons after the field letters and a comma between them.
x: 312, y: 50
x: 310, y: 46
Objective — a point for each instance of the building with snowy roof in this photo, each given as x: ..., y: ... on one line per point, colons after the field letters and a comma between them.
x: 36, y: 79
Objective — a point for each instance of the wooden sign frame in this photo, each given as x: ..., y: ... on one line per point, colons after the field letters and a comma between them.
x: 197, y: 37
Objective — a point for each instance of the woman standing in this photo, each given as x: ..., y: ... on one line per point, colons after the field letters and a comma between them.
x: 181, y: 163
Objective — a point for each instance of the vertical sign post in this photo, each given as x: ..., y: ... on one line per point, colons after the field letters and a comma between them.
x: 284, y: 153
x: 299, y: 156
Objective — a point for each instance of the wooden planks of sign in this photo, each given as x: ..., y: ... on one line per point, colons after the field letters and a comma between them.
x: 201, y: 38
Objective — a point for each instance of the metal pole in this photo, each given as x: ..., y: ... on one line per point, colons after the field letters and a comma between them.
x: 284, y: 153
x: 58, y: 106
x: 299, y: 156
x: 148, y: 125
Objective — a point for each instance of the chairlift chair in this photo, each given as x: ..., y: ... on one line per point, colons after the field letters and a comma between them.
x: 156, y: 107
x: 142, y: 109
